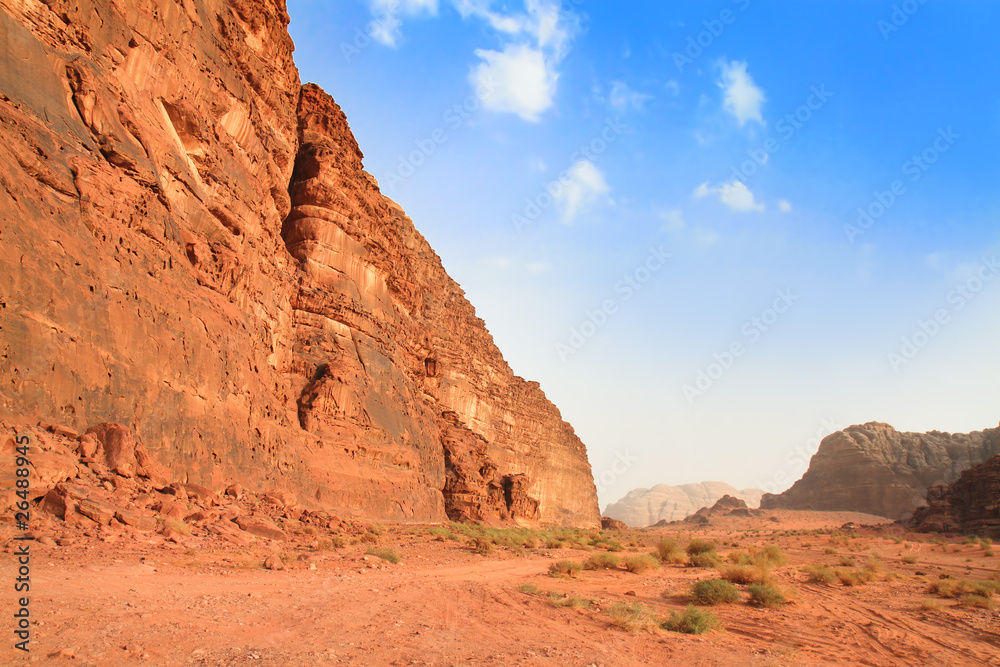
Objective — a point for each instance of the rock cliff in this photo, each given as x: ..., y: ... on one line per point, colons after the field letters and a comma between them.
x: 969, y: 506
x: 645, y: 507
x: 876, y: 469
x: 190, y: 246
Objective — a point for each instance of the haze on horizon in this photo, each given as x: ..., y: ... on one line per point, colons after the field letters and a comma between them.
x: 713, y: 231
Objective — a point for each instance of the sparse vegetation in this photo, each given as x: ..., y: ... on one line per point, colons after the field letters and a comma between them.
x: 603, y: 561
x: 565, y: 568
x: 384, y: 553
x: 910, y: 560
x: 691, y: 621
x: 699, y: 546
x: 745, y: 574
x: 714, y: 591
x: 633, y: 617
x: 640, y: 564
x: 482, y: 546
x: 931, y: 604
x: 572, y: 601
x: 852, y: 576
x: 708, y: 560
x: 766, y: 595
x: 669, y: 551
x: 820, y: 574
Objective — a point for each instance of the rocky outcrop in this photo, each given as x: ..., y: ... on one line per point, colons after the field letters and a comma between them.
x: 645, y: 507
x: 607, y: 523
x: 876, y: 469
x: 725, y: 506
x: 968, y: 506
x: 191, y: 247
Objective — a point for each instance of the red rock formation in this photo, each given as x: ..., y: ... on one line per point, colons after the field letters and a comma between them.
x: 190, y: 246
x: 969, y: 506
x: 877, y: 470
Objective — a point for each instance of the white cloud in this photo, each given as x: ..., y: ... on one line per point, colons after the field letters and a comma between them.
x: 623, y: 98
x: 518, y: 78
x: 743, y: 99
x: 584, y: 187
x: 784, y: 206
x: 386, y: 23
x: 734, y: 195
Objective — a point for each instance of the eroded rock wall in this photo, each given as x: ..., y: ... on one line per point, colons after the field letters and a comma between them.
x: 875, y: 469
x: 189, y: 245
x: 968, y: 506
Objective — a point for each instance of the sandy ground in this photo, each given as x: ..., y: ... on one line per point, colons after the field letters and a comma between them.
x: 129, y: 603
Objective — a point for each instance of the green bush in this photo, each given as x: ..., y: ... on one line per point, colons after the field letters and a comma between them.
x: 633, y: 617
x: 385, y: 554
x: 603, y: 561
x: 640, y: 564
x: 707, y: 560
x: 745, y: 574
x: 766, y: 595
x: 699, y: 546
x: 714, y: 591
x: 482, y: 546
x: 565, y: 568
x: 820, y: 574
x: 691, y: 621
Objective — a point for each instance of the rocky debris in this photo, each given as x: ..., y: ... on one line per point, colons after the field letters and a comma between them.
x: 272, y: 562
x: 968, y: 506
x: 607, y: 523
x: 726, y: 506
x: 664, y: 503
x: 259, y: 526
x: 224, y: 260
x: 875, y: 469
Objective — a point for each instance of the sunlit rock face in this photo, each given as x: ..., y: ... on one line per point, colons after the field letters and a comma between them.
x: 190, y: 246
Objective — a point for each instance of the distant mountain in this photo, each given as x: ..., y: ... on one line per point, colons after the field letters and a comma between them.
x: 644, y: 507
x: 875, y: 469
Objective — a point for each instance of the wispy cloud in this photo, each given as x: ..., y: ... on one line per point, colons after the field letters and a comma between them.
x: 623, y: 98
x: 735, y: 195
x: 386, y: 28
x: 742, y: 97
x: 585, y: 187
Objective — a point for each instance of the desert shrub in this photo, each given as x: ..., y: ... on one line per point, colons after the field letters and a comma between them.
x: 874, y: 564
x: 957, y: 588
x: 910, y: 560
x: 766, y: 595
x: 178, y: 526
x: 384, y: 553
x: 931, y: 604
x: 565, y: 568
x: 770, y: 555
x: 482, y: 546
x: 699, y: 546
x: 603, y: 561
x: 820, y: 574
x: 714, y: 591
x: 707, y: 560
x: 613, y: 545
x: 745, y: 574
x: 633, y: 617
x: 572, y: 601
x: 531, y: 589
x: 553, y: 543
x: 691, y: 621
x: 977, y: 601
x: 669, y: 551
x: 370, y: 538
x: 830, y: 551
x: 640, y: 564
x: 851, y: 576
x: 847, y: 562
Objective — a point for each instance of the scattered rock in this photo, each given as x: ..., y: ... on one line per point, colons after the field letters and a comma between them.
x: 261, y: 527
x: 95, y: 511
x: 272, y: 562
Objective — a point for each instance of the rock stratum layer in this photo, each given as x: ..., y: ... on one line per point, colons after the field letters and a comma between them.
x: 645, y: 507
x: 190, y: 246
x: 876, y: 469
x: 968, y: 506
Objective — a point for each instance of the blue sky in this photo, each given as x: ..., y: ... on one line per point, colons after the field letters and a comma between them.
x: 713, y: 231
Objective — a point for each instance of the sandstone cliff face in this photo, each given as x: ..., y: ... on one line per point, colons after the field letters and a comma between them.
x: 878, y: 470
x: 969, y: 506
x: 645, y: 507
x: 190, y: 246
